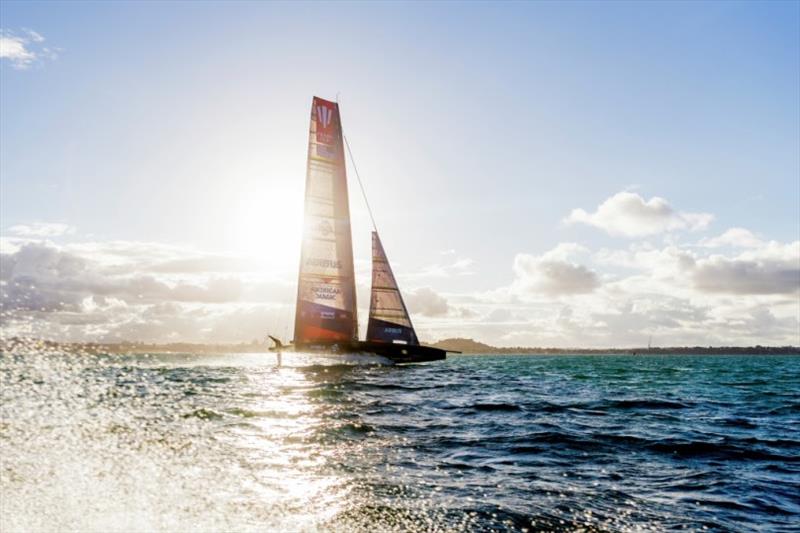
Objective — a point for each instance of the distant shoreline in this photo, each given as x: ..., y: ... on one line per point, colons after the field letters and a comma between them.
x: 470, y: 346
x: 465, y: 346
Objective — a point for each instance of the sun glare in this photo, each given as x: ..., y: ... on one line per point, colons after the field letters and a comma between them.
x: 267, y: 226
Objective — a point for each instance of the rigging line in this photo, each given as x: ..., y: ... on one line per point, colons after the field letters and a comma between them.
x: 360, y: 183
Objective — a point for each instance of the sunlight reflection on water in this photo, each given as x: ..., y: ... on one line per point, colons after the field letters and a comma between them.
x: 176, y: 442
x: 108, y: 443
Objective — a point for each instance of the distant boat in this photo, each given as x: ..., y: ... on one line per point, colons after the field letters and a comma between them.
x: 326, y: 318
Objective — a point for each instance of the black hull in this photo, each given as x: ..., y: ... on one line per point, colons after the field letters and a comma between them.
x: 398, y: 353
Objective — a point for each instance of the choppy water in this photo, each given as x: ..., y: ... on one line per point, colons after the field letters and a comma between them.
x: 171, y: 443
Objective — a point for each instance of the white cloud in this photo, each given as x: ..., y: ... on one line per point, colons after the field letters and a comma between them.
x: 42, y: 277
x: 503, y: 315
x: 565, y: 251
x: 157, y: 292
x: 87, y: 291
x: 735, y: 237
x: 428, y: 302
x: 659, y: 263
x: 34, y: 36
x: 41, y: 229
x: 775, y: 269
x: 134, y: 290
x: 679, y: 295
x: 22, y: 51
x: 458, y: 267
x: 763, y: 268
x: 13, y: 49
x: 553, y: 273
x: 627, y: 214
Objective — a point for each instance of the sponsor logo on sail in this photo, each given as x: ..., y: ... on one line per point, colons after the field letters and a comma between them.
x: 325, y: 123
x: 326, y: 152
x: 323, y: 263
x: 326, y: 292
x: 324, y: 227
x: 396, y: 331
x: 328, y: 315
x: 324, y: 115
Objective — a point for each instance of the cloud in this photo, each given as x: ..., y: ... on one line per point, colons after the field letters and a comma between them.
x: 627, y: 214
x: 42, y: 277
x: 666, y: 264
x: 458, y: 267
x: 502, y: 314
x: 35, y: 37
x: 204, y: 263
x: 13, y: 49
x: 90, y: 292
x: 763, y: 268
x: 767, y: 272
x: 680, y: 295
x: 41, y: 229
x: 426, y: 301
x: 553, y: 273
x: 465, y: 312
x: 617, y: 297
x: 735, y: 237
x: 22, y: 51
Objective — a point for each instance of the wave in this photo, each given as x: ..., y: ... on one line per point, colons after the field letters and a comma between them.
x: 472, y: 444
x: 204, y: 414
x: 496, y: 407
x: 645, y: 404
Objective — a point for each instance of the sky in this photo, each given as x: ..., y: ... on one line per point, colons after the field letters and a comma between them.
x: 542, y: 174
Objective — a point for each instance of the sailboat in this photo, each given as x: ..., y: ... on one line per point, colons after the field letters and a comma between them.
x: 326, y: 317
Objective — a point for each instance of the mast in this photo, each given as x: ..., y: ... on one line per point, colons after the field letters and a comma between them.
x: 389, y: 320
x: 326, y: 292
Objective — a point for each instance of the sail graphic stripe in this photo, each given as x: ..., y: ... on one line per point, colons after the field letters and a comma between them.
x: 326, y: 296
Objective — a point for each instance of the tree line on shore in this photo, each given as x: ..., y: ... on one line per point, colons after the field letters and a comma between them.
x: 470, y: 346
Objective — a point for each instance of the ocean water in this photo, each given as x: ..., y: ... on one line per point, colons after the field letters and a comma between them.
x: 475, y: 443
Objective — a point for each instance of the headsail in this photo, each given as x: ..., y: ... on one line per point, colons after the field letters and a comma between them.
x: 326, y: 292
x: 388, y: 316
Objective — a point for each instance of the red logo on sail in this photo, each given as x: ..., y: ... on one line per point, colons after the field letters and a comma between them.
x: 324, y: 112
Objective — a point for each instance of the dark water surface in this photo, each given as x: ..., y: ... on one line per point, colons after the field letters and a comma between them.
x: 230, y: 443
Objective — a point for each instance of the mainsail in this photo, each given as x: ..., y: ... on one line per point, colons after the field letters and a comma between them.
x: 326, y: 292
x: 388, y: 316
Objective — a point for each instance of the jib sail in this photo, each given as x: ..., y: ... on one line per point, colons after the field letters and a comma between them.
x: 326, y: 293
x: 388, y: 316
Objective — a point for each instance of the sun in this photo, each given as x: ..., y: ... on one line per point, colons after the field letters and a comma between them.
x: 267, y: 226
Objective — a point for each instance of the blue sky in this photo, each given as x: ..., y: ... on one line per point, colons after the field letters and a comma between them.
x: 478, y: 127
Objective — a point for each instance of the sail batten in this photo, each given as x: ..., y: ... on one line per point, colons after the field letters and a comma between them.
x: 389, y: 320
x: 326, y: 296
